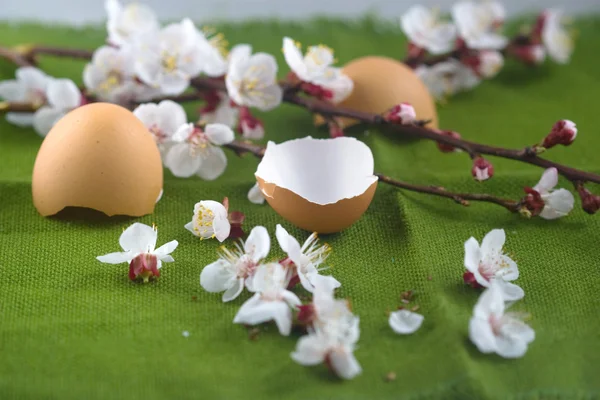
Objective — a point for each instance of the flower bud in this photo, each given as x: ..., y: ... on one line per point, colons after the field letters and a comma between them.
x: 447, y: 148
x: 402, y: 113
x: 249, y: 126
x: 530, y: 54
x: 589, y: 201
x: 563, y: 132
x: 482, y: 169
x: 144, y: 266
x: 533, y: 201
x: 469, y: 279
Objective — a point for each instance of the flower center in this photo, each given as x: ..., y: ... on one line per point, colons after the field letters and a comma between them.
x: 169, y: 62
x: 245, y: 266
x: 198, y: 142
x: 112, y: 81
x: 37, y: 97
x: 203, y: 222
x: 144, y: 265
x: 157, y: 133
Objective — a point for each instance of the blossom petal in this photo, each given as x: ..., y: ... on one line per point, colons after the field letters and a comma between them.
x: 12, y: 90
x: 510, y: 271
x: 490, y: 302
x: 181, y: 162
x: 217, y: 277
x: 509, y: 347
x: 20, y: 119
x: 405, y: 322
x: 482, y: 336
x: 215, y: 207
x: 256, y: 311
x: 294, y: 59
x: 222, y: 228
x: 344, y: 364
x: 304, y: 281
x: 219, y: 134
x: 269, y: 98
x: 234, y: 291
x: 45, y: 118
x: 213, y: 164
x: 342, y: 87
x: 518, y: 330
x: 148, y: 114
x: 63, y: 94
x: 33, y: 78
x: 190, y: 227
x: 138, y: 238
x: 174, y: 83
x: 240, y: 52
x: 116, y: 258
x: 493, y: 241
x: 557, y: 204
x: 258, y: 243
x: 548, y: 181
x: 472, y: 255
x: 255, y: 195
x: 310, y: 350
x: 289, y: 244
x: 510, y: 291
x: 291, y: 298
x: 327, y: 281
x: 166, y: 249
x: 171, y: 116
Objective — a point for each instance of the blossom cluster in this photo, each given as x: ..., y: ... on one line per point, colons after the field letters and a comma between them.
x: 475, y: 45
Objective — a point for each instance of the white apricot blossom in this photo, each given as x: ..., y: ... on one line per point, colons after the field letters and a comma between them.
x: 555, y: 37
x: 477, y: 23
x: 557, y: 203
x: 162, y: 120
x: 306, y: 259
x: 271, y: 301
x: 125, y: 23
x: 447, y: 78
x: 493, y: 330
x: 426, y: 30
x: 235, y: 268
x: 251, y: 81
x: 210, y: 220
x: 489, y: 265
x: 29, y: 86
x: 197, y: 151
x: 62, y: 96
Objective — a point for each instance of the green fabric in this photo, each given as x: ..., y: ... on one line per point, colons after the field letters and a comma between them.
x: 73, y: 328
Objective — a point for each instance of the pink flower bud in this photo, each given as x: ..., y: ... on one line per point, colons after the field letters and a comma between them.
x: 589, y: 201
x: 249, y: 126
x: 402, y: 113
x: 563, y: 132
x: 530, y: 54
x: 533, y: 202
x: 482, y: 169
x: 447, y: 148
x: 469, y: 279
x: 144, y: 266
x: 212, y: 99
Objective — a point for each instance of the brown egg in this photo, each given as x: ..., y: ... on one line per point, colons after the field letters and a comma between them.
x: 380, y: 83
x: 320, y: 185
x: 98, y: 156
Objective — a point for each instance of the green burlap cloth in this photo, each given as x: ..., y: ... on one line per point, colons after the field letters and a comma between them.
x: 73, y: 328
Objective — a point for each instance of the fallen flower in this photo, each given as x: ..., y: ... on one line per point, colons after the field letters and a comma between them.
x: 488, y: 264
x: 235, y: 268
x: 425, y: 30
x: 138, y: 242
x: 324, y: 309
x: 271, y: 301
x: 405, y: 322
x: 210, y: 221
x: 493, y: 330
x: 197, y: 151
x: 306, y: 259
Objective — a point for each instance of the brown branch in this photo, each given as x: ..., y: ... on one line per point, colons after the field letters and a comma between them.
x: 29, y: 52
x: 6, y: 107
x: 14, y: 57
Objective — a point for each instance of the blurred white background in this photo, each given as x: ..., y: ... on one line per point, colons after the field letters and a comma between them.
x: 80, y: 12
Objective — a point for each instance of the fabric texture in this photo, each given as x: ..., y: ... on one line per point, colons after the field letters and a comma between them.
x: 73, y: 328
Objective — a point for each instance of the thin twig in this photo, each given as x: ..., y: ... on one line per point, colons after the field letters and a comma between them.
x: 13, y: 57
x: 6, y: 107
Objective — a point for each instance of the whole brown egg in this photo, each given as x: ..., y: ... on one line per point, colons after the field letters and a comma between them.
x: 98, y: 156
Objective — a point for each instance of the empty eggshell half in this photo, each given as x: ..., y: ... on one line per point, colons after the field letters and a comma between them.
x: 320, y: 185
x: 380, y: 83
x: 98, y: 156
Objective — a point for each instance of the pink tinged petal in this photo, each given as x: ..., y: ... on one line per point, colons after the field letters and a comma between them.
x: 255, y: 195
x: 234, y: 291
x: 181, y: 162
x: 222, y: 228
x: 258, y: 243
x: 310, y: 350
x: 548, y: 181
x: 344, y: 364
x: 405, y: 322
x: 490, y: 302
x: 219, y: 134
x: 20, y: 119
x: 472, y: 255
x: 166, y: 249
x: 64, y: 94
x: 116, y: 258
x: 510, y: 291
x: 171, y: 116
x: 216, y: 277
x: 559, y: 203
x: 138, y: 238
x: 213, y: 165
x: 342, y: 88
x: 45, y: 118
x: 481, y: 334
x: 12, y: 90
x: 493, y: 241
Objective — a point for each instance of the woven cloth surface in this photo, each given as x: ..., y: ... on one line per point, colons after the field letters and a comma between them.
x: 73, y: 328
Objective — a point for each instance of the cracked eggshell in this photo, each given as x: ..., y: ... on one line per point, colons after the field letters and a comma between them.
x: 320, y: 185
x: 380, y: 83
x: 98, y: 156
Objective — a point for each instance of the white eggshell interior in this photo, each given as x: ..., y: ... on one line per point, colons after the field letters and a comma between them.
x: 323, y: 171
